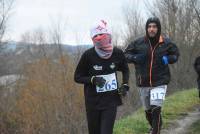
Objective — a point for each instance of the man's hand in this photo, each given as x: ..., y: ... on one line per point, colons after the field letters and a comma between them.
x: 123, y: 89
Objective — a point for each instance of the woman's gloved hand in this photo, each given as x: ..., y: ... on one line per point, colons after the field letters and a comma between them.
x: 98, y: 81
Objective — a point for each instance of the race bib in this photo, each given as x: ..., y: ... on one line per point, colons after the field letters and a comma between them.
x: 158, y: 93
x: 111, y: 83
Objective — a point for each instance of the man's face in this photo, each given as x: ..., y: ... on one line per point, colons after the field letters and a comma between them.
x: 152, y: 29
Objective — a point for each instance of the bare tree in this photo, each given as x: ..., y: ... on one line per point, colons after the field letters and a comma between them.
x: 53, y: 78
x: 6, y: 7
x: 35, y: 39
x: 134, y: 23
x: 79, y: 48
x: 56, y: 33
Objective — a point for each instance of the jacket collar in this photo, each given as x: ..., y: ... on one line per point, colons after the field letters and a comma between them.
x: 161, y: 39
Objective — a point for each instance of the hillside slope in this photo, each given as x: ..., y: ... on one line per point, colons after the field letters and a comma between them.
x: 175, y: 107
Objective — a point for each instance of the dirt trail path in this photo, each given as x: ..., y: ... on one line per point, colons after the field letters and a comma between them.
x: 180, y: 126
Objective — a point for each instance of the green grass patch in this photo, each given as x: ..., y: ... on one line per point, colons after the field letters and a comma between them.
x: 195, y: 128
x: 174, y: 107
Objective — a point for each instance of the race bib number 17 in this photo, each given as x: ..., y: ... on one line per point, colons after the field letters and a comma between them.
x: 111, y: 83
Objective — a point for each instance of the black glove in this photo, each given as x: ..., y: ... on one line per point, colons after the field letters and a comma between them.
x: 98, y: 81
x: 123, y: 89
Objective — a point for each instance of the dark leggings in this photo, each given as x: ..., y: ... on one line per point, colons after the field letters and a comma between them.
x: 154, y: 118
x: 101, y: 121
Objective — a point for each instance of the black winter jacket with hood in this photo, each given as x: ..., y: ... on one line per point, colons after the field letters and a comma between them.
x: 146, y: 53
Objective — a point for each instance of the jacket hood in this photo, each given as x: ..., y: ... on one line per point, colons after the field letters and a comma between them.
x: 154, y: 20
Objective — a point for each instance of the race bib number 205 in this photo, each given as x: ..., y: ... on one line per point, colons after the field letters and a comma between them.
x: 111, y: 83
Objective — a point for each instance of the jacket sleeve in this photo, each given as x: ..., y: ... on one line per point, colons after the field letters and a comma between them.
x: 197, y: 65
x: 132, y: 56
x: 124, y: 68
x: 129, y: 53
x: 81, y: 72
x: 173, y: 53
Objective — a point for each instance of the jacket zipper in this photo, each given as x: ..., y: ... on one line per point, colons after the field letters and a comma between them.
x: 151, y: 64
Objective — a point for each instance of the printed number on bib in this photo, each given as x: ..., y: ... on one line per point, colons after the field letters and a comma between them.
x: 111, y: 83
x: 158, y: 93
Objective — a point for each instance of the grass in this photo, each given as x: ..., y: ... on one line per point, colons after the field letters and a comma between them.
x: 174, y: 107
x: 195, y: 128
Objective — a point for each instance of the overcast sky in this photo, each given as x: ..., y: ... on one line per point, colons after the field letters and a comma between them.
x: 76, y: 16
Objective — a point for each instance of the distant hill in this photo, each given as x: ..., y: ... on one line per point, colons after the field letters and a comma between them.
x: 19, y: 46
x: 14, y: 55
